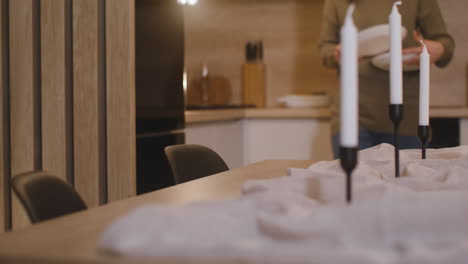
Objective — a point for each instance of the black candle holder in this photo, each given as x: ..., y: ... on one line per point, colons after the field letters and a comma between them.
x: 396, y: 115
x: 348, y: 160
x: 424, y: 133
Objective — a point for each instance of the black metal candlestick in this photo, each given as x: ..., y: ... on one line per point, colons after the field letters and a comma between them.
x: 348, y: 160
x: 424, y: 132
x: 396, y: 115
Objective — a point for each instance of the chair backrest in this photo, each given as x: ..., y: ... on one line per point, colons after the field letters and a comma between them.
x: 189, y: 162
x: 45, y: 196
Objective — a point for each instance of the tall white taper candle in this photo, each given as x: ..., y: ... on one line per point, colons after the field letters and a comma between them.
x: 349, y: 82
x: 424, y: 77
x: 396, y: 74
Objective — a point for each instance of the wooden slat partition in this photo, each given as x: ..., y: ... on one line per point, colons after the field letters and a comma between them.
x: 86, y: 97
x: 53, y: 68
x: 62, y: 55
x: 120, y: 54
x: 21, y: 96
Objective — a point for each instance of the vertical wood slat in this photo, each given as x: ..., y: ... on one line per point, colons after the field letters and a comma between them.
x: 5, y: 82
x: 69, y: 92
x: 54, y: 101
x: 21, y: 96
x: 102, y: 101
x: 3, y: 193
x: 86, y: 99
x: 120, y: 57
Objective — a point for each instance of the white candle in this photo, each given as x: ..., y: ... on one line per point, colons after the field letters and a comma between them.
x: 396, y: 74
x: 424, y: 77
x: 349, y: 82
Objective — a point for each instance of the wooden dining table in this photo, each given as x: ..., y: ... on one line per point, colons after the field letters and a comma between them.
x: 73, y: 238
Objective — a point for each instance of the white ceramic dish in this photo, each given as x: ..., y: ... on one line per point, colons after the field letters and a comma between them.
x: 382, y: 62
x: 375, y: 40
x: 305, y: 101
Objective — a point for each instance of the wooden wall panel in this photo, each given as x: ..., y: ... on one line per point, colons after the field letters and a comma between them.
x: 21, y: 96
x: 448, y: 86
x: 54, y: 148
x: 86, y: 100
x: 216, y: 32
x: 120, y: 55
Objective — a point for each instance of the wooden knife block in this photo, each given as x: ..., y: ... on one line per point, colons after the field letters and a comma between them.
x: 254, y: 84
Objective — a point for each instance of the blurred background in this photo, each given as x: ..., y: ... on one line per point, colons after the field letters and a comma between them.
x: 216, y: 32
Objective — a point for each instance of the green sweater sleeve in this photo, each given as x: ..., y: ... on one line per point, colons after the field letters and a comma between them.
x: 329, y: 35
x: 432, y: 26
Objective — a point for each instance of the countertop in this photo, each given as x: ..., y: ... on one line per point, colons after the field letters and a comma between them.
x: 449, y: 112
x: 200, y: 116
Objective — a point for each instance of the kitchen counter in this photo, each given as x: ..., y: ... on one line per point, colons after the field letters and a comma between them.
x: 200, y: 116
x: 449, y: 112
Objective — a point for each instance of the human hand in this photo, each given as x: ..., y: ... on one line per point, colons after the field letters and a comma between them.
x: 434, y: 48
x: 338, y: 53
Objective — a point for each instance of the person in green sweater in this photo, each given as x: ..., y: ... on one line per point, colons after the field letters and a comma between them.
x: 422, y: 20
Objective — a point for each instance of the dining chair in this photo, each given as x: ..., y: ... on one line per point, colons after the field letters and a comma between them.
x: 45, y: 196
x: 190, y: 161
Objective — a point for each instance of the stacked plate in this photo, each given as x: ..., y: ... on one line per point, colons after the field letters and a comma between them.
x: 305, y: 100
x: 375, y: 41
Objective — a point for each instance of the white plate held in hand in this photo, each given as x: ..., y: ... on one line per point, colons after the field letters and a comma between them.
x: 383, y: 62
x: 375, y: 40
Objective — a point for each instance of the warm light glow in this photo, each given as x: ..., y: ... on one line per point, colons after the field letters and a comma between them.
x: 184, y: 85
x: 184, y: 81
x: 187, y: 2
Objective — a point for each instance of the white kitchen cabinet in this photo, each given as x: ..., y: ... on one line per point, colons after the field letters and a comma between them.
x: 463, y: 131
x: 306, y: 139
x: 224, y: 137
x: 242, y: 142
